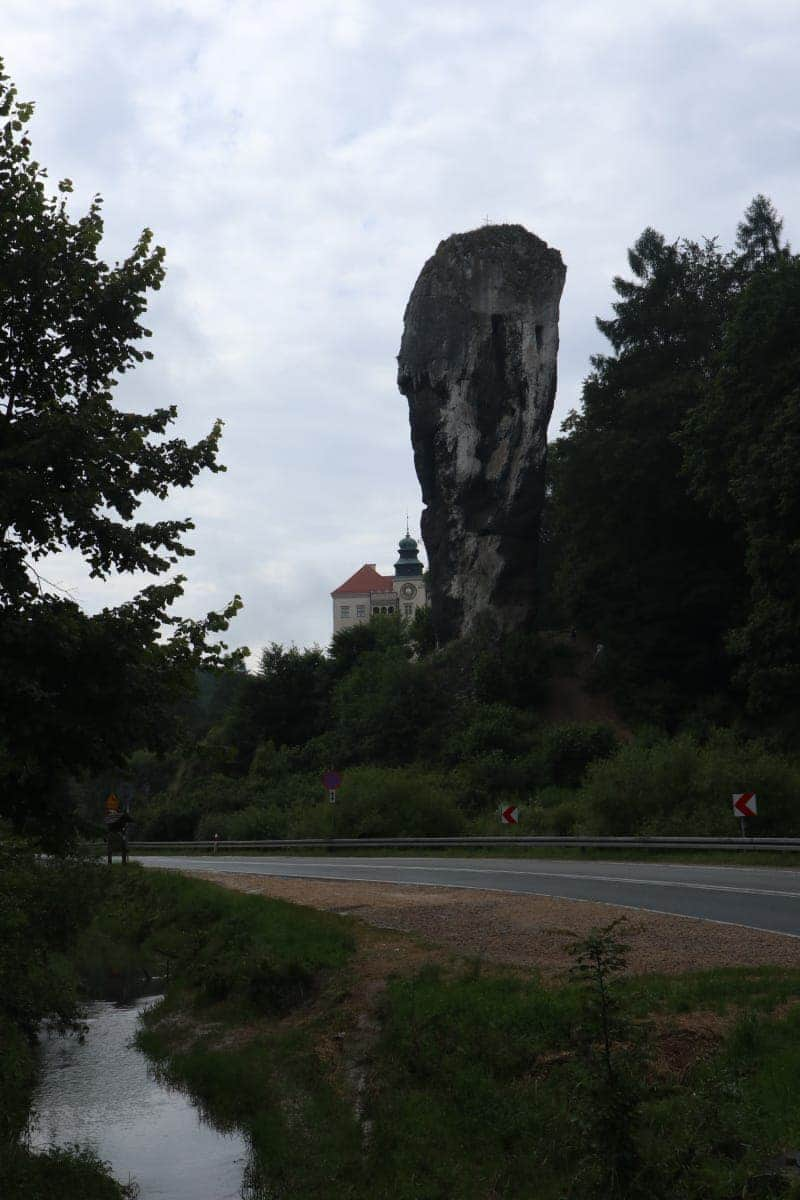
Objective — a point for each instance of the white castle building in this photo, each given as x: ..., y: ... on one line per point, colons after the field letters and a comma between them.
x: 367, y: 592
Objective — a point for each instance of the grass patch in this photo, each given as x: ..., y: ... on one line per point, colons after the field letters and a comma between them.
x: 487, y: 1088
x: 209, y: 944
x: 70, y: 1173
x: 722, y: 990
x: 305, y: 1138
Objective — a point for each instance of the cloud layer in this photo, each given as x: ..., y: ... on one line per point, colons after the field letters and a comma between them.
x: 301, y: 161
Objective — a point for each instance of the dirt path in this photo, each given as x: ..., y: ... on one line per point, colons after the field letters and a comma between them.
x: 527, y: 931
x: 569, y: 697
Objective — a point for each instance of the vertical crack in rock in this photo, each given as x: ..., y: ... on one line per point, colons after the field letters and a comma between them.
x: 478, y: 365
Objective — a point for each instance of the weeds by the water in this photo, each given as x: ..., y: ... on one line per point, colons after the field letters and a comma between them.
x: 478, y: 1083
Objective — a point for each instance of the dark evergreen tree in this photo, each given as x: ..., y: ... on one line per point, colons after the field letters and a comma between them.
x: 642, y: 566
x: 742, y: 449
x: 758, y: 234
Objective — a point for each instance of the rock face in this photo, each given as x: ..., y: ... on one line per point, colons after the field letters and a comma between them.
x: 478, y: 366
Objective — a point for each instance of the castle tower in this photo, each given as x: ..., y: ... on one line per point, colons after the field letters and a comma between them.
x: 409, y: 584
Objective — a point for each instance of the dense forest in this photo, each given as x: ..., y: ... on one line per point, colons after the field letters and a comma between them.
x: 671, y: 538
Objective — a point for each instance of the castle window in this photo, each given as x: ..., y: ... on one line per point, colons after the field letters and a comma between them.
x: 408, y: 609
x: 344, y: 610
x: 361, y: 610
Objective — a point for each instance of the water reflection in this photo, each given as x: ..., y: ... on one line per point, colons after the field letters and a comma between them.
x: 103, y: 1094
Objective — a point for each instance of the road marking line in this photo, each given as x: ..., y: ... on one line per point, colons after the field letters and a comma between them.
x: 619, y: 879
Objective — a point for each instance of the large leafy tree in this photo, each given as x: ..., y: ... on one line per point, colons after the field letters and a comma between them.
x: 287, y: 702
x: 79, y: 691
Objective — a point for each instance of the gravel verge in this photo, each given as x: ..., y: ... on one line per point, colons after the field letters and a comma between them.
x: 528, y: 931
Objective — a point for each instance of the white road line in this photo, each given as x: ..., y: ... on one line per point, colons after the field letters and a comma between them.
x: 555, y: 875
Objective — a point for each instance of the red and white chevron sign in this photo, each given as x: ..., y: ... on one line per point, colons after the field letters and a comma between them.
x: 744, y: 804
x: 509, y: 815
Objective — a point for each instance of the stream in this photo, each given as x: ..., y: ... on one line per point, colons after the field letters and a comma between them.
x: 104, y: 1094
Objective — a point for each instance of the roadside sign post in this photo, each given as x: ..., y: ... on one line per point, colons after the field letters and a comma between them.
x: 744, y: 805
x: 117, y: 821
x: 331, y: 781
x: 509, y: 814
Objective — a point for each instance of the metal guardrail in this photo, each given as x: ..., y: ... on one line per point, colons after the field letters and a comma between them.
x: 576, y: 843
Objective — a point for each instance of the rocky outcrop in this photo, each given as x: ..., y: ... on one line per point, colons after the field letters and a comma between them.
x: 478, y: 366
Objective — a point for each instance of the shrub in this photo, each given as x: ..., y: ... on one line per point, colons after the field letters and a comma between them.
x: 481, y: 784
x: 556, y: 812
x: 569, y: 749
x: 384, y: 802
x: 166, y: 819
x: 677, y: 786
x: 490, y: 729
x: 249, y: 824
x: 268, y: 764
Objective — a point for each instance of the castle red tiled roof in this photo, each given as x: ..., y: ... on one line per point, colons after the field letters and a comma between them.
x: 366, y: 579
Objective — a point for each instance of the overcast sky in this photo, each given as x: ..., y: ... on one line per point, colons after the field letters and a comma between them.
x: 301, y: 160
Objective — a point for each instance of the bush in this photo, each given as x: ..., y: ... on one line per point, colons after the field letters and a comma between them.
x: 383, y: 802
x: 249, y: 824
x: 268, y: 764
x: 556, y: 812
x: 490, y: 729
x: 678, y: 786
x: 511, y: 668
x: 569, y: 749
x: 168, y: 818
x: 70, y: 1173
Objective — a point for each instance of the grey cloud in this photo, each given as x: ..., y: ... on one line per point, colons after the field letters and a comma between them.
x: 300, y: 163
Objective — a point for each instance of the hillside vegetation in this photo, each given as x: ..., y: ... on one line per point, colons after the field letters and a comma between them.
x: 669, y: 541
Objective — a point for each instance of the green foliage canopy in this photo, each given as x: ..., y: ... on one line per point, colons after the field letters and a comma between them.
x: 79, y: 691
x: 676, y: 479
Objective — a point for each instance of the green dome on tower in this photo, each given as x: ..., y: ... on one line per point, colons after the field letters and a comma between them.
x: 408, y: 563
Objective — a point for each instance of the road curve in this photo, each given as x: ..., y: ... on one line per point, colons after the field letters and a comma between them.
x: 750, y: 896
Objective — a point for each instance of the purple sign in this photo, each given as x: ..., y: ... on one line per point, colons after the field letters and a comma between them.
x: 332, y: 780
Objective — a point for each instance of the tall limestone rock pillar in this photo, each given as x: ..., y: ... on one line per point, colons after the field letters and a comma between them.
x: 478, y: 366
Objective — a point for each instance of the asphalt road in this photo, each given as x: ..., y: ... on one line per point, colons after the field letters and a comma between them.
x: 758, y: 898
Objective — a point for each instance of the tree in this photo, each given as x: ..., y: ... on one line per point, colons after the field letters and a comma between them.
x: 742, y: 447
x: 642, y: 564
x: 79, y: 691
x: 758, y: 234
x: 286, y: 702
x: 381, y: 632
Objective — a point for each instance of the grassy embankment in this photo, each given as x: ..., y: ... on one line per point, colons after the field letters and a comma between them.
x: 360, y: 1064
x: 461, y: 1081
x: 71, y: 931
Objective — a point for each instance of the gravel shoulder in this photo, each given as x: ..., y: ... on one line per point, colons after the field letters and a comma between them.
x: 527, y: 931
